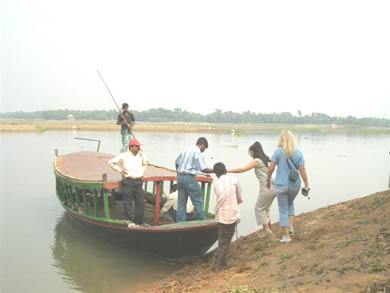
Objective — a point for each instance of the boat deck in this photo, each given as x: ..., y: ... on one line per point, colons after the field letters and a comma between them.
x: 90, y: 166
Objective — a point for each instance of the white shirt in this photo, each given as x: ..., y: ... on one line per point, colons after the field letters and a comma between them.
x: 133, y: 166
x: 172, y: 202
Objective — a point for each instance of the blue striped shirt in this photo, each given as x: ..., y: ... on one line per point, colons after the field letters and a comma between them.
x: 190, y: 161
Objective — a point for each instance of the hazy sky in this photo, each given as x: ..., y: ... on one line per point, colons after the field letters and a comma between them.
x: 265, y: 56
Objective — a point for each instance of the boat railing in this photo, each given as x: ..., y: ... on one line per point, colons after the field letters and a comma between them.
x: 84, y: 197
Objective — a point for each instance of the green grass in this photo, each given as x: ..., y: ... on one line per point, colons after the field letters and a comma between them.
x: 41, y: 129
x: 243, y: 289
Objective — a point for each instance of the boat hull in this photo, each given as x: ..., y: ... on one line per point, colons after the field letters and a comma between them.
x: 173, y: 243
x: 85, y: 187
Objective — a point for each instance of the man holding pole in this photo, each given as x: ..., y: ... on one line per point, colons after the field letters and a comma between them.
x: 126, y: 120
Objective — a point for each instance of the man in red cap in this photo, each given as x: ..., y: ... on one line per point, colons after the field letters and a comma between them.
x: 132, y: 165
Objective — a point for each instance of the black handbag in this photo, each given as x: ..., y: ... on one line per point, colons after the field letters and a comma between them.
x: 294, y: 174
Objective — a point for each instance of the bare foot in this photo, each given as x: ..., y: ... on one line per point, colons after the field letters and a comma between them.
x: 267, y: 228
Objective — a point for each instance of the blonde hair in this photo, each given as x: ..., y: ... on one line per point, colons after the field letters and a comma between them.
x: 287, y: 143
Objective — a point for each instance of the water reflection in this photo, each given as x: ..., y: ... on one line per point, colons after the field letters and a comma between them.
x: 90, y: 263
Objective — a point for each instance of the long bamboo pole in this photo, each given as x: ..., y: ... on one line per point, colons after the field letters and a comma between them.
x: 116, y: 104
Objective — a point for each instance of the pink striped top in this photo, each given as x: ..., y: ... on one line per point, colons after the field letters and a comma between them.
x: 228, y: 195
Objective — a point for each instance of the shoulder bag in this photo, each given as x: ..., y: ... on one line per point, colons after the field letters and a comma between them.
x: 294, y: 174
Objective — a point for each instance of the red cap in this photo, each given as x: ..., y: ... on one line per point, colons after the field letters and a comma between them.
x: 134, y: 142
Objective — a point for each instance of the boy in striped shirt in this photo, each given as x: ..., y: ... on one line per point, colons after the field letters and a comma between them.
x: 227, y: 213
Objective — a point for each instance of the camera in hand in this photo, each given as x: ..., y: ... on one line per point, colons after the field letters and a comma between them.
x: 305, y: 191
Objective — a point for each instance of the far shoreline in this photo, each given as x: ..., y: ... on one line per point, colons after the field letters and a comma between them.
x: 20, y: 125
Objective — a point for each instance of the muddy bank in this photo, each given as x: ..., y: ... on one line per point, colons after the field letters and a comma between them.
x: 237, y: 129
x: 340, y: 248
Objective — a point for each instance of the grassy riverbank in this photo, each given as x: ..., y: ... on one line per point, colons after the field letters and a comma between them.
x: 340, y: 248
x: 238, y: 129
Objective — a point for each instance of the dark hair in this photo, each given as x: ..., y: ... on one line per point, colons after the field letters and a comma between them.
x: 125, y: 105
x: 258, y: 153
x: 173, y: 187
x: 202, y: 140
x: 219, y: 169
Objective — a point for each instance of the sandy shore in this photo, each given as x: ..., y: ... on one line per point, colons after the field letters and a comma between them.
x: 340, y: 248
x: 238, y: 129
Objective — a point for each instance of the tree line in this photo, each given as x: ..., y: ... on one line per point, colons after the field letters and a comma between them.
x: 218, y: 116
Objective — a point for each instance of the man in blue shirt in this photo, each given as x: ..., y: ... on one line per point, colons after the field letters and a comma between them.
x: 126, y: 129
x: 188, y: 164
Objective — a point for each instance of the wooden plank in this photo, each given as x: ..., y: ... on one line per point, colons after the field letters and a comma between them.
x: 170, y: 186
x: 60, y: 190
x: 95, y: 203
x: 70, y: 195
x: 85, y: 201
x: 157, y: 206
x: 203, y: 184
x: 77, y: 192
x: 89, y: 167
x: 106, y: 204
x: 206, y: 209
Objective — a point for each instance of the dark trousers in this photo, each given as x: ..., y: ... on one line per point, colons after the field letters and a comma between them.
x: 132, y: 190
x: 190, y: 216
x: 225, y: 235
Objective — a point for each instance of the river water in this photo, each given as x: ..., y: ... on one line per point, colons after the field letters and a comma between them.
x: 41, y: 251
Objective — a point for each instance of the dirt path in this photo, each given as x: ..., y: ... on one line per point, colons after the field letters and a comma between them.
x: 341, y: 248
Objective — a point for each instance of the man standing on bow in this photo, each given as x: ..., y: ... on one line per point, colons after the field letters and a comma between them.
x: 188, y: 164
x: 132, y: 165
x: 126, y: 120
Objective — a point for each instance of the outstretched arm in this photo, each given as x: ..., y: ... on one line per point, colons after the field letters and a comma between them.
x: 251, y: 165
x: 271, y: 169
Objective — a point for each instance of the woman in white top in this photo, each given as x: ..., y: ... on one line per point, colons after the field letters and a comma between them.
x: 266, y: 196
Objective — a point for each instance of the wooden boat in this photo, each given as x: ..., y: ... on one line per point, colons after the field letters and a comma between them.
x: 87, y: 189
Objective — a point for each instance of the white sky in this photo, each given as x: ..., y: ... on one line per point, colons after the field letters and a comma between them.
x: 265, y: 56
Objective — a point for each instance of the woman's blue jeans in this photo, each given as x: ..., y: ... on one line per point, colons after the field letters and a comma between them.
x: 188, y: 185
x: 286, y: 196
